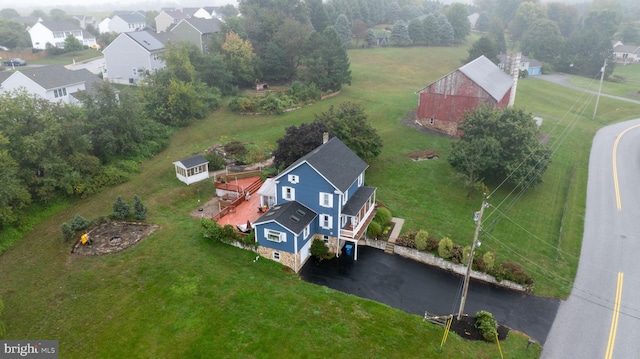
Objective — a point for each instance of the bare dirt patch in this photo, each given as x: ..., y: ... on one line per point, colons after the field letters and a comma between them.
x: 113, y: 237
x: 424, y: 155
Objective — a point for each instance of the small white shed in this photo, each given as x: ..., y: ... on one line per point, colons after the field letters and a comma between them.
x: 192, y: 169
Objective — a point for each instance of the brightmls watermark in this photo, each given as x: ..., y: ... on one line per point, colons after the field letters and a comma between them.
x: 38, y: 349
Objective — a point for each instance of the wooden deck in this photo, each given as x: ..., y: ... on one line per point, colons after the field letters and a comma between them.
x: 240, y: 210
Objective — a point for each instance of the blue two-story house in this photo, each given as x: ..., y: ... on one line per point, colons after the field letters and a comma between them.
x: 321, y: 195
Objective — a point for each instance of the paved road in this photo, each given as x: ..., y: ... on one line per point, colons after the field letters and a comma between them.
x: 601, y: 317
x: 416, y: 287
x: 563, y: 79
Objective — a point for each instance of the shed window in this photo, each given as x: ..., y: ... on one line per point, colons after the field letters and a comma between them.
x: 274, y: 236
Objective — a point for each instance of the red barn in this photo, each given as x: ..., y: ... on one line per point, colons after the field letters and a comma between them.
x: 442, y: 105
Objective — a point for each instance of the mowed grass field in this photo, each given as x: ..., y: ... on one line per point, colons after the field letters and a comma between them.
x: 175, y: 295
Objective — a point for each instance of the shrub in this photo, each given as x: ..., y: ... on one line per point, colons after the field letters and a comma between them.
x: 216, y: 162
x: 489, y: 260
x: 383, y: 216
x: 79, y: 223
x: 445, y: 248
x: 466, y: 252
x: 487, y: 325
x: 235, y: 148
x: 139, y: 209
x: 243, y: 105
x: 432, y: 244
x: 421, y: 240
x: 374, y: 230
x: 211, y: 229
x: 121, y: 209
x: 67, y: 232
x: 512, y: 271
x: 319, y: 249
x: 456, y: 253
x: 407, y: 240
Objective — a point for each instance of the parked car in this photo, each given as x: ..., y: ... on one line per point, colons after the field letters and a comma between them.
x: 15, y: 62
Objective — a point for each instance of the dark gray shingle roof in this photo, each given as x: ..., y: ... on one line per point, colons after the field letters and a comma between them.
x: 335, y: 162
x: 194, y: 161
x: 61, y: 26
x: 488, y: 76
x: 50, y: 77
x: 146, y: 39
x: 358, y: 199
x: 293, y: 216
x: 204, y: 26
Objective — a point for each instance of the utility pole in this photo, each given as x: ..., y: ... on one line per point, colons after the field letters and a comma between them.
x: 465, y: 288
x: 599, y: 89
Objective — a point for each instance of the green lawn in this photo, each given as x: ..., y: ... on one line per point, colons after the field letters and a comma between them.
x: 68, y: 58
x: 176, y: 295
x: 630, y: 87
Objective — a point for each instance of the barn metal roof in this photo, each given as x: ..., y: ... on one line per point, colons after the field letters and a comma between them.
x: 488, y: 76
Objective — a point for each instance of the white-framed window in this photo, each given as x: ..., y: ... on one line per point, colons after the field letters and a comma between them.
x: 305, y: 233
x: 345, y: 198
x: 432, y: 121
x: 326, y: 199
x: 293, y: 179
x: 325, y: 239
x: 326, y: 221
x: 135, y: 71
x: 289, y: 193
x: 60, y: 92
x: 274, y: 236
x: 276, y: 256
x: 361, y: 180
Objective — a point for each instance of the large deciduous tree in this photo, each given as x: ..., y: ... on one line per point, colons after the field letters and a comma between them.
x: 13, y: 194
x: 431, y: 30
x: 565, y: 15
x: 500, y: 145
x: 400, y: 34
x: 349, y: 123
x: 416, y: 31
x: 527, y: 13
x: 457, y: 14
x: 542, y: 41
x: 297, y: 142
x: 240, y: 59
x: 12, y: 34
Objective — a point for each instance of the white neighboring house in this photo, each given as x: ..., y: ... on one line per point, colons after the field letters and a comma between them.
x: 193, y: 169
x: 103, y: 26
x: 54, y: 83
x: 127, y: 23
x: 132, y: 55
x: 55, y: 32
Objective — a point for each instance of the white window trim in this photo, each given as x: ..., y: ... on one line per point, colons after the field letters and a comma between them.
x: 305, y: 233
x: 345, y: 197
x: 294, y: 179
x: 329, y: 200
x: 360, y: 180
x: 326, y: 218
x: 270, y: 233
x: 276, y: 256
x: 292, y: 193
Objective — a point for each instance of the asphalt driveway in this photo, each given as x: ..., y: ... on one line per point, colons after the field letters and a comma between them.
x: 416, y: 287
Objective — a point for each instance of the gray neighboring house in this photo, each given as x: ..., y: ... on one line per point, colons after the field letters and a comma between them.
x: 133, y: 55
x: 127, y: 22
x: 197, y: 31
x: 55, y: 83
x: 167, y: 18
x: 85, y: 20
x: 626, y: 54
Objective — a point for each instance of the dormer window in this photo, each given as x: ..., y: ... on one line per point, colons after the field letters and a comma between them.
x: 61, y: 92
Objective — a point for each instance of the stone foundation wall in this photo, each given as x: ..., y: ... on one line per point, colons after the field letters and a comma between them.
x: 448, y: 127
x: 286, y: 258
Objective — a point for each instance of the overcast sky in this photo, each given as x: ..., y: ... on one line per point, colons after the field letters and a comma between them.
x: 27, y: 6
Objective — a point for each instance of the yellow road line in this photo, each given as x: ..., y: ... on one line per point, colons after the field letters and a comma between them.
x: 614, y: 319
x: 615, y: 168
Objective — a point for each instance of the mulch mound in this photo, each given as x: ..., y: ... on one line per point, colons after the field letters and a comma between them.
x: 113, y: 237
x: 465, y: 327
x: 424, y: 155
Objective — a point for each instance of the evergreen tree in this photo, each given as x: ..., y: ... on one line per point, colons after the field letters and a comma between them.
x: 496, y: 32
x: 416, y: 31
x: 67, y: 232
x: 343, y: 29
x: 371, y: 38
x: 325, y: 61
x: 400, y: 33
x: 275, y: 63
x: 393, y: 12
x: 484, y: 46
x: 121, y: 209
x: 447, y: 35
x: 431, y: 30
x: 318, y: 15
x: 139, y: 209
